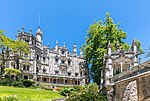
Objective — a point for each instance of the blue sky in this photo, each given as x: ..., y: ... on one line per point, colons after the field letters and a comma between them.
x: 68, y: 20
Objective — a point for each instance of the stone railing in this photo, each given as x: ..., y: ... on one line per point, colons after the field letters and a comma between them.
x: 130, y: 73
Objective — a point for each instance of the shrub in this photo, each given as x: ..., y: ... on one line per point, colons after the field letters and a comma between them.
x: 66, y: 91
x: 6, y: 82
x: 28, y: 83
x: 87, y: 93
x: 18, y: 84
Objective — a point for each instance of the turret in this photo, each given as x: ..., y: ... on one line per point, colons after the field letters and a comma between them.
x: 74, y: 49
x: 109, y: 48
x: 134, y: 48
x: 109, y: 68
x: 81, y: 53
x: 39, y: 35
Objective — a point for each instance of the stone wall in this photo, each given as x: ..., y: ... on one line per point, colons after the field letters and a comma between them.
x: 134, y: 89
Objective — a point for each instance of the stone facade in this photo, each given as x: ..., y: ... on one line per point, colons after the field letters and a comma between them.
x: 51, y: 65
x: 117, y: 63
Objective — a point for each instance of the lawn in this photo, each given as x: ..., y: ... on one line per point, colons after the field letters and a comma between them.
x: 26, y: 94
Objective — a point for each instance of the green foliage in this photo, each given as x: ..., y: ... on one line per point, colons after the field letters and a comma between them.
x: 87, y: 93
x: 28, y: 83
x: 9, y: 46
x: 66, y: 91
x: 97, y: 38
x: 17, y: 83
x: 6, y: 82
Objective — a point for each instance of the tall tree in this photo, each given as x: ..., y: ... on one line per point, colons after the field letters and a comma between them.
x: 11, y: 50
x: 97, y: 38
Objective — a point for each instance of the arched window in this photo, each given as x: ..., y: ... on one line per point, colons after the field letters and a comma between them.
x: 37, y: 69
x: 37, y: 57
x: 44, y: 70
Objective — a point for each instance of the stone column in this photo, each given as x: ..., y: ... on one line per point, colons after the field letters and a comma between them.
x: 64, y: 81
x: 41, y: 79
x: 49, y: 80
x: 70, y: 81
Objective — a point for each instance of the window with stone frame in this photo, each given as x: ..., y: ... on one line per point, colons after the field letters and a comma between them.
x: 69, y: 74
x: 43, y: 59
x: 56, y: 60
x: 37, y: 69
x: 44, y: 70
x: 62, y: 52
x: 28, y: 67
x: 76, y: 74
x: 24, y: 67
x: 69, y: 62
x: 62, y: 61
x: 37, y: 57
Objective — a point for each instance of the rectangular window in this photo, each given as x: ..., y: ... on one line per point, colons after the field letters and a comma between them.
x: 62, y: 52
x: 43, y: 59
x: 69, y: 62
x: 28, y: 67
x: 56, y: 60
x: 24, y: 67
x: 62, y: 62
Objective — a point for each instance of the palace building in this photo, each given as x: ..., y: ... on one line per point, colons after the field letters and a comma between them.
x: 55, y: 66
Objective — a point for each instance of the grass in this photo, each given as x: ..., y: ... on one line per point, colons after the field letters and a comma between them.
x: 26, y: 94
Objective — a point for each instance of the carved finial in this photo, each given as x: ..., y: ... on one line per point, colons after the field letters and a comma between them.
x: 56, y: 42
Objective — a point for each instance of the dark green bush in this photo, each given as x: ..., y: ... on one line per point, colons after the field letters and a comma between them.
x: 6, y: 82
x: 18, y: 84
x: 28, y: 83
x: 66, y: 91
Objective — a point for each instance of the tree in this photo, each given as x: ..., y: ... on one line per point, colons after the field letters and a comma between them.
x: 87, y: 93
x: 11, y: 50
x: 97, y: 38
x: 12, y: 72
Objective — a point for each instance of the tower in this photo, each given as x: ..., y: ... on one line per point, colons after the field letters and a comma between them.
x: 39, y: 35
x: 109, y: 69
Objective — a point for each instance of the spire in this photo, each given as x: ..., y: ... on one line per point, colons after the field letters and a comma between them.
x: 134, y: 42
x: 81, y: 53
x: 23, y: 29
x: 39, y: 31
x: 30, y: 31
x: 56, y: 47
x: 64, y: 45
